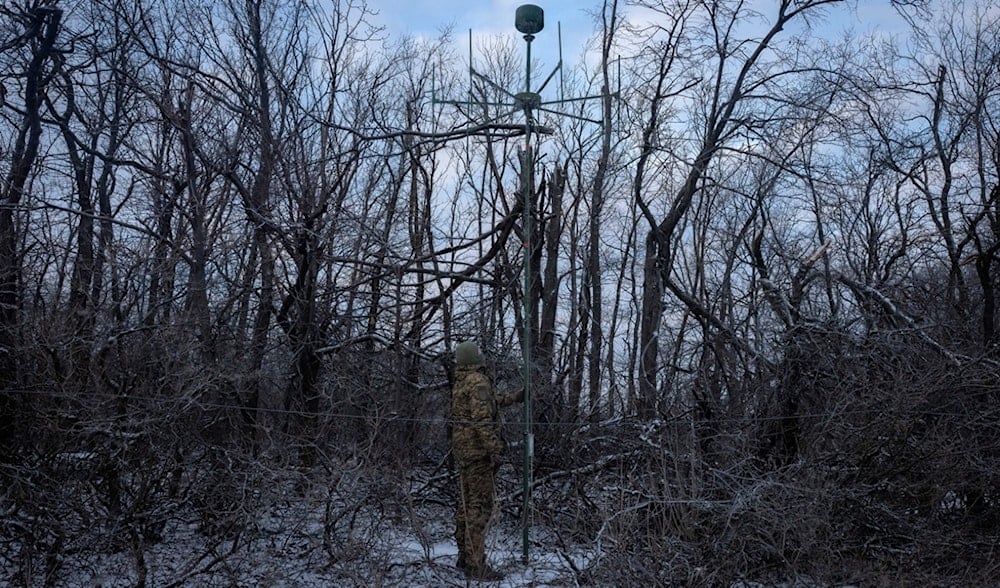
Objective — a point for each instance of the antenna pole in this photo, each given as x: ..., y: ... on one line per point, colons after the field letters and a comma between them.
x: 529, y: 20
x: 559, y: 32
x: 528, y: 192
x: 471, y: 98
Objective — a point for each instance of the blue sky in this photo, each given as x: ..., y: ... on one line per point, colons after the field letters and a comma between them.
x: 498, y: 15
x: 483, y: 16
x: 486, y: 17
x: 426, y: 18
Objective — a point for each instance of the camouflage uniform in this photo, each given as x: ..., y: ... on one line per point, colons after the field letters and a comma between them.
x: 476, y: 441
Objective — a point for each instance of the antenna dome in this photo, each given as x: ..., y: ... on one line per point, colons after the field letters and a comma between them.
x: 529, y: 19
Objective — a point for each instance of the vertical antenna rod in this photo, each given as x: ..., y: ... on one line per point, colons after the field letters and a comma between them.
x: 559, y: 32
x: 529, y: 19
x: 471, y: 93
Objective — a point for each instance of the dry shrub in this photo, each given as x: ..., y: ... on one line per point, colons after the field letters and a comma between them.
x: 893, y: 480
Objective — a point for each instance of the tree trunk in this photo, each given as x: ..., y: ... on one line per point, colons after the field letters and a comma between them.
x: 45, y: 26
x: 649, y: 329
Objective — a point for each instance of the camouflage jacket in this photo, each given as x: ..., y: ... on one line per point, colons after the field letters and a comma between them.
x: 474, y: 405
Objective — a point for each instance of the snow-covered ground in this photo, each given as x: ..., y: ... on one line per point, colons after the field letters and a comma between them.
x: 360, y: 532
x: 383, y: 555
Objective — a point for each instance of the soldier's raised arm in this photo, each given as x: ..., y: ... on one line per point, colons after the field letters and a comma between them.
x: 510, y: 398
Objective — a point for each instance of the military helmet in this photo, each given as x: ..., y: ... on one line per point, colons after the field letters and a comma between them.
x: 467, y: 353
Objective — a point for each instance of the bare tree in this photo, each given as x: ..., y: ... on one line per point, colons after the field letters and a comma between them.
x: 727, y: 96
x: 593, y: 277
x: 40, y: 25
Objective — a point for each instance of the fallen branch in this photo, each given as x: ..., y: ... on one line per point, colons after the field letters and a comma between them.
x: 587, y: 469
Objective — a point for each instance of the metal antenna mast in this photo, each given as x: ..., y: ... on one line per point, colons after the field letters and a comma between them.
x: 529, y: 20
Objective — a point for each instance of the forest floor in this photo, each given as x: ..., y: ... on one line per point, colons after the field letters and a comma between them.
x: 354, y: 524
x: 298, y: 559
x: 346, y: 532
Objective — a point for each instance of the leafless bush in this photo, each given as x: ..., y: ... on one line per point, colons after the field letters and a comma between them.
x: 893, y: 480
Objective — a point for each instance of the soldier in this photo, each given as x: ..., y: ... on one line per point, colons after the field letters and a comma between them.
x: 476, y: 442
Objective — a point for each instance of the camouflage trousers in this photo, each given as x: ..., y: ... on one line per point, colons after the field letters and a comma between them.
x: 474, y: 510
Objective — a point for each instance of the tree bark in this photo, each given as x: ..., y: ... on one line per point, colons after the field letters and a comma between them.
x: 44, y: 30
